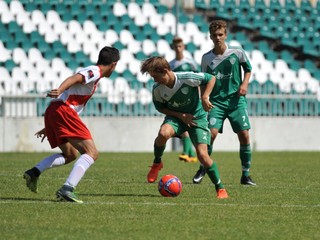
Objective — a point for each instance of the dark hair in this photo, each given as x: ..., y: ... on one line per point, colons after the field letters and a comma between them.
x: 108, y: 55
x: 217, y: 24
x: 154, y: 65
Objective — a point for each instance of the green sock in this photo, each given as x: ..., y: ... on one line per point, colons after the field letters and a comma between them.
x: 214, y: 175
x: 158, y: 152
x: 245, y: 157
x: 187, y: 145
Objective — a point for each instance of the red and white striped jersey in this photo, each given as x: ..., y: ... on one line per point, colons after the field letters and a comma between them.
x: 78, y: 95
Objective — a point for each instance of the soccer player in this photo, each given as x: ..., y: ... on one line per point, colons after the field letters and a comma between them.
x: 177, y: 96
x: 183, y: 64
x: 64, y: 128
x: 228, y: 95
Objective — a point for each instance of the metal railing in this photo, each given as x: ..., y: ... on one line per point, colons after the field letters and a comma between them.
x: 99, y: 105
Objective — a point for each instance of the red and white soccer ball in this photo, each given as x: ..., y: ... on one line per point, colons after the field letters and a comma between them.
x: 170, y: 186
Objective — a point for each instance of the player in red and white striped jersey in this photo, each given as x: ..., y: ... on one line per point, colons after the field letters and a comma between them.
x: 65, y: 129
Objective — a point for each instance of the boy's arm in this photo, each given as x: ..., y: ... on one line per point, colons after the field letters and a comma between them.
x: 184, y: 117
x: 244, y: 85
x: 205, y: 93
x: 74, y: 79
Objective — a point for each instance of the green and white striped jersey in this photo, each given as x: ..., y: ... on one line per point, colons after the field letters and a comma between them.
x: 227, y: 70
x: 183, y: 65
x: 184, y: 96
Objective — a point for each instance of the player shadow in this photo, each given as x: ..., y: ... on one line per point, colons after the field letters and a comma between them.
x: 119, y: 195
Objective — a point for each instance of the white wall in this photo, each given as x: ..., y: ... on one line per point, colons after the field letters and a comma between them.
x: 137, y: 134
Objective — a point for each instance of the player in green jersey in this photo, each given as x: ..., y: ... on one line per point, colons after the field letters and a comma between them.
x: 228, y: 95
x: 183, y: 64
x: 177, y: 96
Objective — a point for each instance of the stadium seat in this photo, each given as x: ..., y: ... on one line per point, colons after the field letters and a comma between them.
x: 5, y: 53
x: 9, y: 65
x: 119, y: 9
x: 201, y: 4
x: 5, y: 80
x: 148, y: 47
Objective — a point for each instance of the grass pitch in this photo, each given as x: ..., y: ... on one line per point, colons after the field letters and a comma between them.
x: 120, y: 204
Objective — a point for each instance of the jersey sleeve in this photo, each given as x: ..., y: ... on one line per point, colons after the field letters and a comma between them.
x: 244, y: 62
x: 90, y: 74
x: 195, y: 79
x: 156, y: 98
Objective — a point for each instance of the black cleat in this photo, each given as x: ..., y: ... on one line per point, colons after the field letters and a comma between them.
x: 247, y: 181
x: 199, y: 175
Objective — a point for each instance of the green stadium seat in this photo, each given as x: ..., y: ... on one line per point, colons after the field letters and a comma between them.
x: 260, y: 5
x: 287, y: 40
x: 245, y: 6
x: 125, y: 20
x: 191, y: 47
x: 271, y: 56
x: 244, y: 22
x: 224, y: 14
x: 254, y: 87
x: 45, y: 7
x: 275, y: 6
x: 201, y: 4
x: 270, y: 87
x: 49, y: 55
x: 30, y: 6
x: 13, y: 27
x: 61, y: 9
x: 214, y: 5
x: 183, y: 18
x: 148, y: 30
x: 9, y: 65
x: 140, y: 56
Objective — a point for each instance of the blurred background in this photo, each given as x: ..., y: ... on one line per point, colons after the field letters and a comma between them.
x: 44, y: 41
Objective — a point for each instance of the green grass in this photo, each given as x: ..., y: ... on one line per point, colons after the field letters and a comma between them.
x: 119, y: 204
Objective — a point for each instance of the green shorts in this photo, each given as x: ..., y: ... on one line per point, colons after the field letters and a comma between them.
x: 237, y: 115
x: 198, y: 134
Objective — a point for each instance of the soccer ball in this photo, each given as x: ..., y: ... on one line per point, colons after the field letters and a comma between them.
x: 170, y: 186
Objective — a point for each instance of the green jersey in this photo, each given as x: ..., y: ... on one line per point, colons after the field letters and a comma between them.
x: 227, y: 70
x: 184, y: 96
x: 183, y: 65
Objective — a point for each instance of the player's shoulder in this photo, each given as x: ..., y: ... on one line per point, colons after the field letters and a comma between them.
x: 155, y: 86
x: 188, y: 75
x: 235, y: 48
x: 207, y: 54
x: 90, y: 67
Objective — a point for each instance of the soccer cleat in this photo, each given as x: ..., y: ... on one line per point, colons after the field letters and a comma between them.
x: 66, y: 194
x: 247, y: 181
x: 193, y: 159
x: 199, y: 175
x: 187, y: 158
x: 222, y: 193
x: 31, y: 181
x: 184, y: 157
x: 153, y: 173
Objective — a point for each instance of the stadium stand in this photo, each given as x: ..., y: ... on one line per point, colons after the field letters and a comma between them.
x: 43, y: 42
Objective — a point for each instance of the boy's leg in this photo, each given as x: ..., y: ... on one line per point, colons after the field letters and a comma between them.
x: 32, y: 175
x: 212, y: 170
x: 166, y: 132
x: 245, y: 157
x: 86, y: 159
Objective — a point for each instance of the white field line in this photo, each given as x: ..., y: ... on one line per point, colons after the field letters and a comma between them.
x: 13, y: 201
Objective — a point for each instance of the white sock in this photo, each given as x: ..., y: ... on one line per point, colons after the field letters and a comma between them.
x: 54, y: 160
x: 79, y: 169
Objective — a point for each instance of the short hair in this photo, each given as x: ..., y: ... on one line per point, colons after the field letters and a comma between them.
x: 217, y: 24
x: 177, y: 40
x: 154, y: 65
x: 108, y: 55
